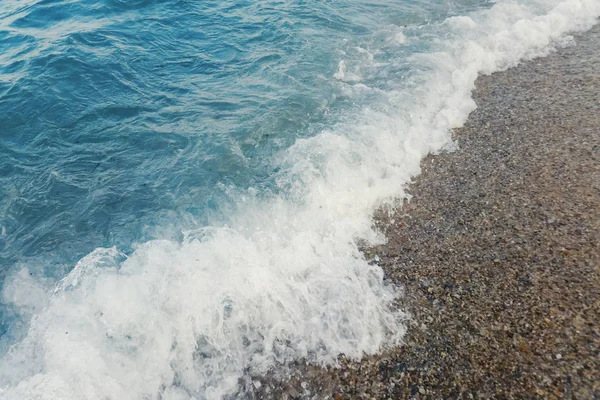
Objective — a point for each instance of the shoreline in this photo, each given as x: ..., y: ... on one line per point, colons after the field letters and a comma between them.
x: 498, y: 251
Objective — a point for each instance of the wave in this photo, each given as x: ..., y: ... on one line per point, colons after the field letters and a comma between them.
x: 282, y: 278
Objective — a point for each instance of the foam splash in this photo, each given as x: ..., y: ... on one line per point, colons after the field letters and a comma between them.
x: 283, y: 278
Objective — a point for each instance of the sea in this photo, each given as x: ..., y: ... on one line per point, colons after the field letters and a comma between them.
x: 185, y: 185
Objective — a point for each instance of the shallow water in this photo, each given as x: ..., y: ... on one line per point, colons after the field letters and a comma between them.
x: 117, y: 113
x: 182, y: 185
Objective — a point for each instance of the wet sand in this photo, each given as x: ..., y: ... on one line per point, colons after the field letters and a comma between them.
x: 498, y: 251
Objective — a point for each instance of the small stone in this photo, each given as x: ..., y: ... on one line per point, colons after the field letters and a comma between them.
x: 523, y: 348
x: 421, y: 390
x: 558, y: 356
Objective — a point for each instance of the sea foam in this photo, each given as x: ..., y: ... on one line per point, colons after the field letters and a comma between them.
x: 282, y: 278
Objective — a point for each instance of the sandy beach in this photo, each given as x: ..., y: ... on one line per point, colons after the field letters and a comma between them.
x: 498, y: 251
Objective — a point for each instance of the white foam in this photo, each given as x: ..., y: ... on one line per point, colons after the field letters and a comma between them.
x: 344, y: 75
x: 284, y: 278
x: 399, y: 37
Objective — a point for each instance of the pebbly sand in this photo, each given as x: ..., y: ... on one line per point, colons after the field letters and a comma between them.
x: 498, y: 252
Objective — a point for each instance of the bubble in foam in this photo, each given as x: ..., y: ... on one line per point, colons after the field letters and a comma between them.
x: 400, y: 38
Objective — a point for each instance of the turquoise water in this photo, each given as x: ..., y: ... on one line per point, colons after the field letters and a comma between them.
x: 183, y: 183
x: 118, y: 116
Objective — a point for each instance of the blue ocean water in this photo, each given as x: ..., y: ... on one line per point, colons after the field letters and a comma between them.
x: 119, y: 118
x: 182, y: 183
x: 115, y: 113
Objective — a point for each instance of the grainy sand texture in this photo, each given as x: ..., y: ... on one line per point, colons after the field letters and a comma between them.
x: 498, y: 251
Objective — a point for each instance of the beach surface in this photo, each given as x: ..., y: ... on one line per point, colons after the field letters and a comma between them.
x: 497, y: 252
